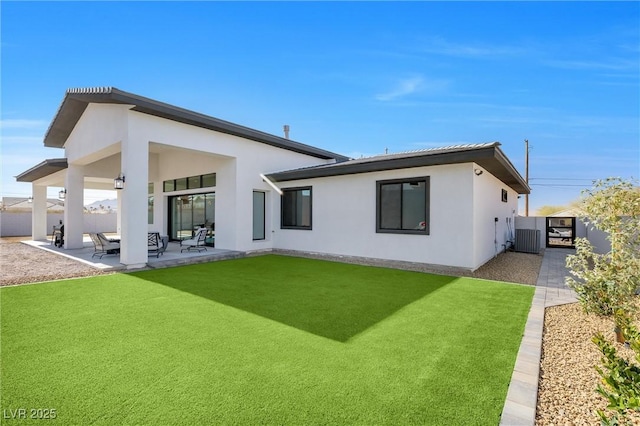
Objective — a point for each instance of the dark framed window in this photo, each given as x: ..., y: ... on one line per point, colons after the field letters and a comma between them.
x: 402, y: 206
x: 181, y: 184
x: 194, y: 182
x: 191, y: 182
x: 150, y: 204
x: 259, y: 214
x: 296, y: 208
x: 504, y: 196
x: 209, y: 180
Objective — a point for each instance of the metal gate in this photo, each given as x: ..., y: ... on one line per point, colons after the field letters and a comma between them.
x: 561, y: 232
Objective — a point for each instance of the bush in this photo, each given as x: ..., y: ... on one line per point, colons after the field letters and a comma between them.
x: 606, y: 282
x: 620, y: 378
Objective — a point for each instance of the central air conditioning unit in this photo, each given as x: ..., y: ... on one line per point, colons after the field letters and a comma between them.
x: 527, y: 241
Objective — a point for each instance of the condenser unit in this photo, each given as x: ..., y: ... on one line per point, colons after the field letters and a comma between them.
x: 527, y: 241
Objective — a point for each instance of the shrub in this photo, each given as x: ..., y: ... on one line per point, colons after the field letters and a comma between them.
x: 620, y: 378
x: 606, y: 282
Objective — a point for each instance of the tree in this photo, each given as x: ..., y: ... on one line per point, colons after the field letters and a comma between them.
x: 549, y: 210
x: 607, y: 282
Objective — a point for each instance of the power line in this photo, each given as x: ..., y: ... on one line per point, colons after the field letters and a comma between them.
x: 590, y: 180
x: 559, y: 184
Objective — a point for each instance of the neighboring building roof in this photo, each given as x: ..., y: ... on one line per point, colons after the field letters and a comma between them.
x: 43, y: 169
x: 22, y: 203
x: 76, y: 101
x: 487, y: 155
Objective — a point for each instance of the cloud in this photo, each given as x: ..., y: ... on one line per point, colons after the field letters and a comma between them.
x: 440, y: 46
x: 610, y: 65
x: 23, y: 124
x: 411, y: 85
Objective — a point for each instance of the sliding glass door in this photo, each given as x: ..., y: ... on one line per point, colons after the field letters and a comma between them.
x: 189, y: 212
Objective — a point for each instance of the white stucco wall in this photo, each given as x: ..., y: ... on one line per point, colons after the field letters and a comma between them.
x: 462, y: 205
x: 490, y: 237
x: 179, y: 150
x: 344, y: 216
x: 97, y: 134
x: 595, y: 236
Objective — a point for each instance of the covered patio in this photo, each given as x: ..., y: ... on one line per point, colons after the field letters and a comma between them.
x: 173, y: 256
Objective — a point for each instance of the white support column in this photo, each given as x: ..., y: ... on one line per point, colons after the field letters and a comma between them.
x: 133, y: 205
x: 119, y: 213
x: 39, y: 212
x: 74, y: 207
x: 159, y: 224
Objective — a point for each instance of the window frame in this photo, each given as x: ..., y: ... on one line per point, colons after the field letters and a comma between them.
x: 401, y: 181
x: 263, y: 217
x: 282, y: 206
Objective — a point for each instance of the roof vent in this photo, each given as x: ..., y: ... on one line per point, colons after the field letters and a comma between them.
x: 286, y: 131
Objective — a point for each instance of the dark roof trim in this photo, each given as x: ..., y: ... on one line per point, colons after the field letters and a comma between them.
x: 489, y: 156
x: 76, y: 101
x: 46, y: 168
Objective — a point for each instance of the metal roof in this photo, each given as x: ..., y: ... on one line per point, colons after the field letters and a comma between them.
x: 76, y: 101
x: 487, y: 155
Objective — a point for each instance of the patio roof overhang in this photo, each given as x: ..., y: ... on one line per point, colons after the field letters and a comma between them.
x: 76, y: 101
x: 45, y: 168
x: 488, y: 155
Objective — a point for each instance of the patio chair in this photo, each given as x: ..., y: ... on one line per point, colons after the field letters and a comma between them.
x: 103, y: 246
x: 196, y: 243
x: 157, y: 244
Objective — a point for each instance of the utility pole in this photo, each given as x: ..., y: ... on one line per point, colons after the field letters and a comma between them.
x: 526, y: 172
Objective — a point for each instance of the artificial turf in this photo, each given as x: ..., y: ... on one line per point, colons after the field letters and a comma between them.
x: 262, y: 340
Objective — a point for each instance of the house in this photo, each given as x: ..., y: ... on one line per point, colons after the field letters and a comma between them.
x: 450, y: 206
x: 24, y: 204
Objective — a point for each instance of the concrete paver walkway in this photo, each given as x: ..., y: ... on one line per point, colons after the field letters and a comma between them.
x: 551, y: 290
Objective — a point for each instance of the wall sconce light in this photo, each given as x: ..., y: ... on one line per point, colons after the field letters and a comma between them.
x: 62, y: 194
x: 478, y: 172
x: 118, y: 183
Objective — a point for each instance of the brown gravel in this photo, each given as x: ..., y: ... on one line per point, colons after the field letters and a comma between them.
x: 22, y: 264
x: 566, y: 391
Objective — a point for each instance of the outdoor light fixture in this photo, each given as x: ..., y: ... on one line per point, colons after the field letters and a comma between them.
x: 118, y: 183
x: 478, y: 172
x: 62, y: 194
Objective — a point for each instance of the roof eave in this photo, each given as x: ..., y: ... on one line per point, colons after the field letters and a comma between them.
x: 76, y: 100
x: 43, y: 169
x: 491, y: 158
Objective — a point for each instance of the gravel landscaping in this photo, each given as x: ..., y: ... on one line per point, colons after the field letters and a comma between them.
x: 23, y: 264
x: 566, y: 391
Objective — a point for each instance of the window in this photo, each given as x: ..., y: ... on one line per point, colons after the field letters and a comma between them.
x: 194, y: 182
x: 504, y: 196
x: 209, y: 180
x: 296, y: 208
x: 258, y: 215
x: 150, y: 203
x: 181, y: 184
x: 403, y: 206
x: 191, y: 182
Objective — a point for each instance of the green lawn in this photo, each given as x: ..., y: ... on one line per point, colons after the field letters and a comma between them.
x: 262, y: 340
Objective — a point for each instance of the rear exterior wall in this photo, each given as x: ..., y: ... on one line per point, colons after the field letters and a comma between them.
x: 344, y: 218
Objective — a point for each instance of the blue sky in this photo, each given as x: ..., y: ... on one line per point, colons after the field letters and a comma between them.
x: 355, y: 78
